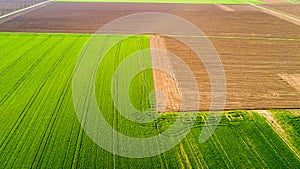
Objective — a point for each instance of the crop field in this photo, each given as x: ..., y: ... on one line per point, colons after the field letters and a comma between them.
x: 56, y: 69
x: 289, y: 122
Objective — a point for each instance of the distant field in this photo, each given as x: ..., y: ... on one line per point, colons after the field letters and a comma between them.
x: 39, y: 127
x: 7, y: 6
x: 174, y: 1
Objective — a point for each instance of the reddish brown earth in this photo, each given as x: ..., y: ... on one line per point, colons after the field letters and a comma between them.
x: 7, y: 6
x: 89, y: 17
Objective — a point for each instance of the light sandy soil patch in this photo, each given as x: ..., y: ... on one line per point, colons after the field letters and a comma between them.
x: 292, y: 79
x: 225, y: 8
x: 169, y: 98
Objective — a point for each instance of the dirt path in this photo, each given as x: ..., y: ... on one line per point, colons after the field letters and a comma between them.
x: 279, y: 14
x: 278, y: 129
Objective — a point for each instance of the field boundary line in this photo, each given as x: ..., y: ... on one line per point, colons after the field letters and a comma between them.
x: 23, y: 10
x: 235, y: 37
x: 278, y: 14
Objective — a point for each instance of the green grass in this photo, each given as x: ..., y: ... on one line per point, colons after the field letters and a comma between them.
x: 39, y: 127
x: 174, y: 1
x: 289, y: 120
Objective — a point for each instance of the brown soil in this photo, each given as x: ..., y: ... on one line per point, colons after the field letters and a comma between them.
x: 251, y: 68
x: 8, y: 6
x: 163, y: 80
x: 288, y: 8
x: 212, y: 20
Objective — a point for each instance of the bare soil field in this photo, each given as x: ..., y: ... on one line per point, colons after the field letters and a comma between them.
x: 7, y: 6
x: 252, y: 68
x: 211, y: 19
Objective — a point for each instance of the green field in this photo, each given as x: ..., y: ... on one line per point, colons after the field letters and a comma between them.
x: 39, y: 127
x: 174, y: 1
x: 289, y: 120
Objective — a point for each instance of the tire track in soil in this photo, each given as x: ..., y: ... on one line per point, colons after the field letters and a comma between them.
x: 269, y: 142
x: 242, y: 137
x: 28, y: 72
x: 254, y: 149
x: 195, y: 153
x: 28, y: 105
x: 213, y: 139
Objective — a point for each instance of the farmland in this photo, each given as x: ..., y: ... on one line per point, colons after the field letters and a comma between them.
x: 7, y: 6
x: 54, y: 62
x: 41, y: 128
x: 172, y: 1
x: 289, y: 121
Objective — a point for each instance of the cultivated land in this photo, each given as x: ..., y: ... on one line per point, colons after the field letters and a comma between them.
x: 212, y: 20
x: 172, y: 1
x: 39, y: 127
x: 289, y: 122
x: 7, y: 6
x: 246, y: 44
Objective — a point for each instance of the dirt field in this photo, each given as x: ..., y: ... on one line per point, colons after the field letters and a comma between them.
x: 7, y: 6
x: 252, y: 66
x: 213, y: 20
x: 253, y: 71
